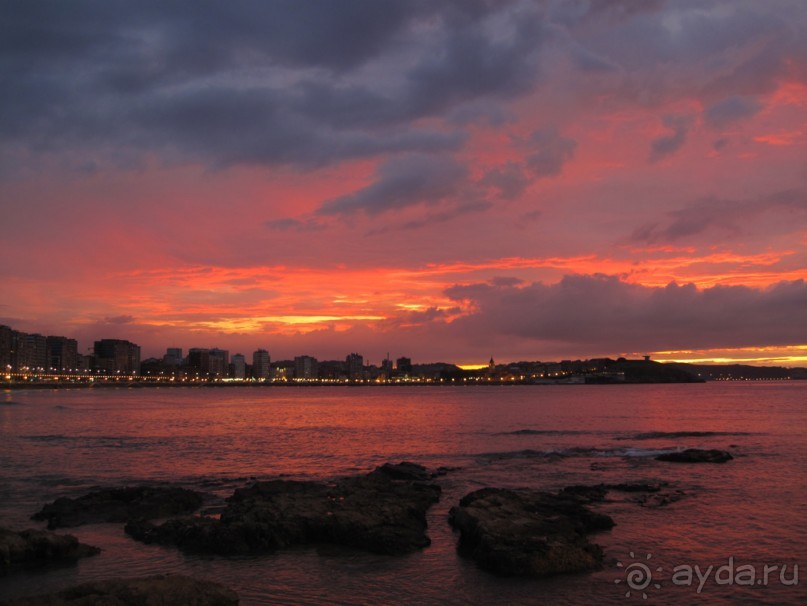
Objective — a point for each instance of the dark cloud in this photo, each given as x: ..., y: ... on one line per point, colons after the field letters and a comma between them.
x: 508, y: 180
x: 454, y: 211
x: 252, y: 82
x: 599, y: 313
x: 400, y: 183
x: 663, y: 51
x: 720, y: 144
x: 195, y: 36
x: 728, y: 216
x: 110, y: 83
x: 548, y: 151
x: 475, y: 61
x: 290, y: 224
x: 529, y: 218
x: 669, y: 144
x: 124, y: 319
x: 572, y: 12
x: 409, y: 319
x: 731, y: 110
x: 589, y: 61
x: 506, y: 281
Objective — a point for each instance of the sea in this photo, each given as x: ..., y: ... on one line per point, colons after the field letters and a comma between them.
x: 732, y: 533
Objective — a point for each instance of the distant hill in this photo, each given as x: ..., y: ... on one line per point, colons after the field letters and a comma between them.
x: 648, y: 371
x: 738, y: 372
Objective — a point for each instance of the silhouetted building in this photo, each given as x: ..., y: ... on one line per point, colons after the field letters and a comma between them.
x: 306, y: 367
x: 6, y: 349
x: 30, y: 351
x: 219, y: 362
x: 404, y: 366
x: 62, y: 353
x: 260, y: 364
x: 239, y: 366
x: 85, y: 363
x: 117, y: 356
x: 334, y: 370
x: 199, y: 360
x: 355, y: 366
x: 173, y: 356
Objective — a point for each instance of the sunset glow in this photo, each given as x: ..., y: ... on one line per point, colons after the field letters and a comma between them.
x: 520, y: 179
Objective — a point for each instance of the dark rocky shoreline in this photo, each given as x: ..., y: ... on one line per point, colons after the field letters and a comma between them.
x: 382, y: 512
x: 165, y: 590
x: 33, y: 547
x: 507, y: 532
x: 119, y: 505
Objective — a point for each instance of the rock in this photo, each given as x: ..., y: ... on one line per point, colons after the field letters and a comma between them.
x: 585, y: 493
x: 382, y: 512
x: 637, y: 486
x: 444, y: 470
x: 659, y: 499
x: 36, y: 547
x: 594, y: 494
x: 696, y: 455
x: 165, y: 590
x: 404, y: 471
x: 528, y: 533
x: 653, y: 496
x: 120, y: 505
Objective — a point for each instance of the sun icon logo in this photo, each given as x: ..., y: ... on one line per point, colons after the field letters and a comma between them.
x: 638, y: 576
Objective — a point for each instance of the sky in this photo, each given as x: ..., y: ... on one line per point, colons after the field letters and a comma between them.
x: 446, y: 180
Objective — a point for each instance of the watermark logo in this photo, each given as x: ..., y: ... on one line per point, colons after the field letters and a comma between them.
x: 640, y: 576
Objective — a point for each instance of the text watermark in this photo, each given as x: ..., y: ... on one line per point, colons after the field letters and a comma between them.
x: 641, y: 576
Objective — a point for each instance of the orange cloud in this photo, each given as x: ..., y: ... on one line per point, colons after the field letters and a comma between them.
x: 782, y: 138
x: 298, y: 299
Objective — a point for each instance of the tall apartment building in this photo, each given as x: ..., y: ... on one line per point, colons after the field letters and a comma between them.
x: 117, y: 355
x: 31, y: 351
x: 354, y: 364
x: 199, y: 360
x: 239, y: 366
x: 219, y: 362
x: 62, y: 353
x: 404, y: 366
x: 20, y: 351
x: 260, y: 364
x: 173, y: 356
x: 306, y: 367
x: 6, y: 349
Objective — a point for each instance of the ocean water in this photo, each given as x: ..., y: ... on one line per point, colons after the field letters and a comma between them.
x: 738, y: 518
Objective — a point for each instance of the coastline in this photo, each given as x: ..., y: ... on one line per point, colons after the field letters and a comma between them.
x: 310, y: 384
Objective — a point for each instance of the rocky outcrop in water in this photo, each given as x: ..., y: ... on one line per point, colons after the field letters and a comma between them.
x: 37, y: 547
x: 528, y: 533
x: 587, y: 493
x: 120, y: 505
x: 382, y: 512
x: 646, y: 494
x: 162, y: 590
x: 696, y: 455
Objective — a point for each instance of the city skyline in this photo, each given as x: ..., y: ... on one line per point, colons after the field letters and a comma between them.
x: 444, y: 181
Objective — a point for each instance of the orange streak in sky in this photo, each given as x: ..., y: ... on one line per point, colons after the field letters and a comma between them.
x: 299, y: 299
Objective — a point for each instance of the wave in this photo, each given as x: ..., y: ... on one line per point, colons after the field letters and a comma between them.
x: 10, y: 403
x: 659, y: 435
x: 132, y: 442
x: 565, y: 453
x: 47, y: 438
x: 542, y: 432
